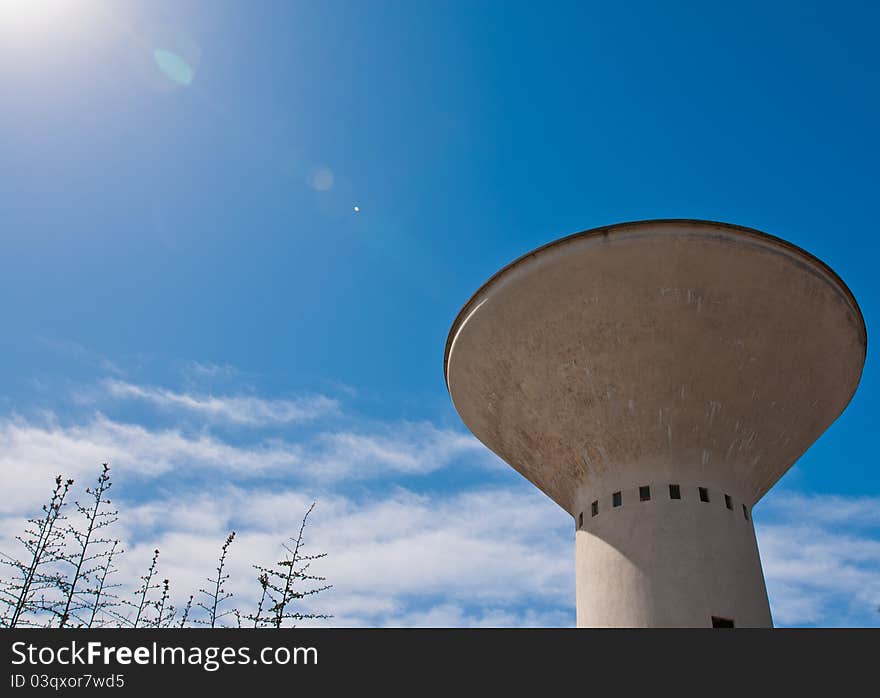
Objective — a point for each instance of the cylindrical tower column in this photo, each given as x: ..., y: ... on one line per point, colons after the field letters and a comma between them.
x: 668, y: 554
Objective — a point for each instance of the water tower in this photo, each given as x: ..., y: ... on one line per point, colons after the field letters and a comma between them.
x: 655, y: 379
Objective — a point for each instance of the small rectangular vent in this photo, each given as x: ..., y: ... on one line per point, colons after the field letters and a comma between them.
x: 718, y: 622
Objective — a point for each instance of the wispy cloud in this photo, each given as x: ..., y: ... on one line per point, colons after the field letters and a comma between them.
x: 33, y: 451
x: 406, y: 448
x: 80, y: 353
x: 201, y: 370
x: 234, y: 409
x: 30, y: 454
x: 821, y: 559
x: 854, y: 511
x: 399, y: 560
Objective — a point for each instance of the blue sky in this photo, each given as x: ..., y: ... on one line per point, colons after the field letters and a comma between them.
x: 186, y: 287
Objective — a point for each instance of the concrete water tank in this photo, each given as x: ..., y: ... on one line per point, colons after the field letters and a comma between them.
x: 655, y: 379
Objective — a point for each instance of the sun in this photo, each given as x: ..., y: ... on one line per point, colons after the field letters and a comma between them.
x: 32, y: 10
x: 32, y: 16
x: 36, y: 27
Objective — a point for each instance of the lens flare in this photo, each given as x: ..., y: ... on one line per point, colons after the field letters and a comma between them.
x: 322, y: 179
x: 173, y: 66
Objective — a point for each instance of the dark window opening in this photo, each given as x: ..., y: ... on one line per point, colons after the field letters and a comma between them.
x: 581, y: 520
x: 718, y: 622
x: 745, y: 513
x: 644, y: 493
x: 728, y: 502
x: 704, y: 494
x: 674, y: 492
x: 616, y: 499
x: 595, y: 508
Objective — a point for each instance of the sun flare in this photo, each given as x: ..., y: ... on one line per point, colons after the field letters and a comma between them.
x: 33, y: 12
x: 30, y: 28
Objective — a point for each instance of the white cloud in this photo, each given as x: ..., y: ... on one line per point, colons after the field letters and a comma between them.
x: 31, y: 454
x: 490, y: 557
x: 456, y: 616
x: 494, y: 557
x: 201, y: 370
x: 821, y: 558
x: 244, y: 410
x: 407, y: 448
x: 824, y: 509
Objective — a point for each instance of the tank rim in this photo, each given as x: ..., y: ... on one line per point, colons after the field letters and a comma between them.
x: 615, y: 227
